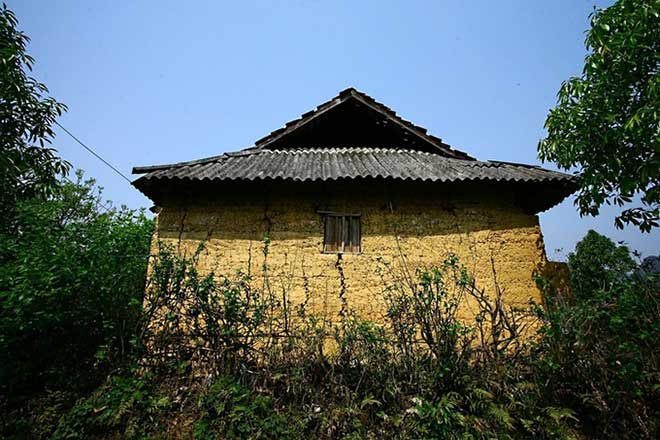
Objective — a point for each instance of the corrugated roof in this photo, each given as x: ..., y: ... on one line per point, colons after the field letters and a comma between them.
x: 326, y: 164
x: 353, y: 136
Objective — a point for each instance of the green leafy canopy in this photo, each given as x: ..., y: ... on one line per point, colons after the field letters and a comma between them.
x: 71, y: 286
x: 607, y: 121
x: 597, y: 264
x: 28, y: 168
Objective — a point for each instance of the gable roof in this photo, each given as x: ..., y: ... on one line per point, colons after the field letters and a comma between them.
x: 353, y: 136
x: 350, y: 95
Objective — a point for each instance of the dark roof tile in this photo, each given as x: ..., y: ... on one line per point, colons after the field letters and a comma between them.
x: 311, y: 164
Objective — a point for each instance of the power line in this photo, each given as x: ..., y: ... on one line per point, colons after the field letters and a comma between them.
x: 93, y: 152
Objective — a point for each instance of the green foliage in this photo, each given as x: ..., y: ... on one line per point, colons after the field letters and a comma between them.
x: 360, y: 341
x: 223, y: 315
x: 71, y: 283
x: 127, y: 404
x: 37, y: 417
x: 599, y: 356
x: 232, y: 411
x: 271, y: 368
x: 606, y: 120
x: 597, y: 265
x: 255, y: 372
x: 472, y: 414
x: 27, y: 167
x: 429, y: 309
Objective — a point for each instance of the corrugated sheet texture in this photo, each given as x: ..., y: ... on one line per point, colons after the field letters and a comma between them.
x: 324, y: 164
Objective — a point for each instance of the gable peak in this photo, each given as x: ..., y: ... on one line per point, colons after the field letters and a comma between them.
x: 355, y: 118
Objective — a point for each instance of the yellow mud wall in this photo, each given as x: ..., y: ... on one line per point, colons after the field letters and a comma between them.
x: 496, y: 241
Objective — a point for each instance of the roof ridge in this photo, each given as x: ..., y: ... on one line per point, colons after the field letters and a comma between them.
x: 362, y: 148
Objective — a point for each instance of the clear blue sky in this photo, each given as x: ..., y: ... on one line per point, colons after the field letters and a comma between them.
x: 157, y: 82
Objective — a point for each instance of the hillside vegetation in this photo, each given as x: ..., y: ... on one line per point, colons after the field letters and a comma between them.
x: 89, y: 351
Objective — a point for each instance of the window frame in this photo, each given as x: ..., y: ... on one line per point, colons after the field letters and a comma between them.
x: 341, y: 246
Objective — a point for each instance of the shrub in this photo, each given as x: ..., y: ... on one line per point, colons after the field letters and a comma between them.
x: 232, y: 411
x: 211, y: 321
x: 224, y: 358
x: 597, y: 265
x: 424, y: 373
x: 599, y: 355
x: 71, y: 287
x: 127, y: 404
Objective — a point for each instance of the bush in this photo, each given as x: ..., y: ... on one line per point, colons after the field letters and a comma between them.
x: 126, y: 404
x: 597, y: 265
x: 424, y: 373
x: 232, y: 411
x: 600, y: 356
x: 206, y: 320
x: 226, y: 359
x: 72, y: 281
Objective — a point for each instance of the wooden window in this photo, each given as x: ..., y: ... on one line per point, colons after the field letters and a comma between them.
x: 342, y: 233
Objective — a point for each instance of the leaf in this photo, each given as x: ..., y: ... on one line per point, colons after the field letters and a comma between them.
x: 369, y: 401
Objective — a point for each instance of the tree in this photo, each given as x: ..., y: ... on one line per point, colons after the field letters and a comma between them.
x: 71, y: 287
x: 599, y: 354
x: 607, y: 121
x: 28, y: 168
x: 597, y: 264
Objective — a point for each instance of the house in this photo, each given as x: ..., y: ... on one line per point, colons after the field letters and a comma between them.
x: 345, y: 188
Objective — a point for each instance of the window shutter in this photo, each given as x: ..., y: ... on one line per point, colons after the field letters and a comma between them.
x: 339, y: 225
x: 331, y: 236
x: 342, y: 233
x: 345, y: 228
x: 354, y: 234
